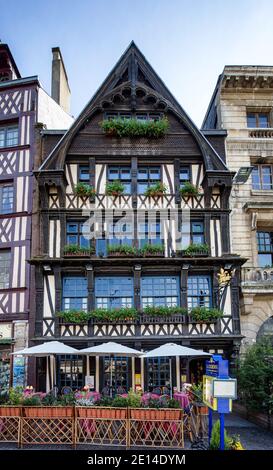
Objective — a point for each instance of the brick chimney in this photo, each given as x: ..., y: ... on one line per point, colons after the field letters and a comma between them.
x: 60, y: 90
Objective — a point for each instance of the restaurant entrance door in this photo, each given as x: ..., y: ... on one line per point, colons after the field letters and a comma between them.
x: 120, y: 374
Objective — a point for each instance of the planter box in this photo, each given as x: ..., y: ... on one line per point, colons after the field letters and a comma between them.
x: 10, y: 410
x: 154, y: 255
x: 199, y: 254
x: 84, y: 254
x: 191, y: 320
x: 154, y: 414
x: 163, y: 319
x: 202, y: 409
x: 121, y: 255
x: 101, y: 412
x: 48, y: 411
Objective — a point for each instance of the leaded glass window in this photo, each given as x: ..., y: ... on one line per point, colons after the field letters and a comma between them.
x: 75, y: 293
x: 114, y: 292
x: 5, y: 259
x: 160, y: 291
x: 199, y: 291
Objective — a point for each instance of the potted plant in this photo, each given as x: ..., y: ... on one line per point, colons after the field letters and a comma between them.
x: 205, y: 315
x: 215, y: 437
x: 157, y: 189
x: 122, y: 250
x: 13, y: 405
x: 134, y: 402
x: 74, y: 250
x: 84, y: 189
x: 188, y: 189
x: 115, y: 188
x: 114, y: 314
x: 164, y: 311
x: 196, y: 249
x: 118, y: 127
x: 74, y: 316
x: 150, y: 250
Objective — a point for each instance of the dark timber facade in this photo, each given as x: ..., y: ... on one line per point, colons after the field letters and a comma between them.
x: 85, y: 153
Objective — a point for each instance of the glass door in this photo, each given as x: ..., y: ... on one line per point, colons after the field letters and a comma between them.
x: 118, y: 368
x: 70, y: 372
x: 158, y: 372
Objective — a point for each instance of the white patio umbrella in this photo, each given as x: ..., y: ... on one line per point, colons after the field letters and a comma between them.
x: 111, y: 349
x: 50, y: 348
x: 173, y: 349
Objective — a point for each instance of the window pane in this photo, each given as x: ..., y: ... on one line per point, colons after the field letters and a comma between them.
x: 142, y: 174
x: 199, y: 291
x: 12, y: 136
x: 266, y: 177
x: 256, y: 178
x: 2, y: 137
x: 84, y: 173
x: 75, y: 293
x: 6, y: 199
x: 5, y: 258
x: 184, y: 175
x: 154, y: 173
x: 114, y: 292
x: 159, y: 291
x: 264, y: 260
x: 263, y: 120
x: 251, y: 120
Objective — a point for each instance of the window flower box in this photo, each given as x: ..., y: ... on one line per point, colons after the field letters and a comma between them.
x: 121, y: 128
x: 115, y: 188
x: 84, y: 190
x: 122, y: 251
x: 75, y: 251
x: 10, y: 410
x: 156, y: 190
x: 152, y: 251
x: 196, y: 250
x: 98, y: 412
x: 48, y: 411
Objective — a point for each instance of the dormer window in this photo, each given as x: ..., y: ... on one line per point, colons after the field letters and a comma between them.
x: 258, y: 120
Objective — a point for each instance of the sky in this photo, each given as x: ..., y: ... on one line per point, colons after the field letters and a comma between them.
x: 187, y: 42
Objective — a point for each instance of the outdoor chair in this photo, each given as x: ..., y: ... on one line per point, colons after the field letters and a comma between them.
x: 66, y: 390
x: 105, y: 391
x: 156, y: 391
x: 120, y: 390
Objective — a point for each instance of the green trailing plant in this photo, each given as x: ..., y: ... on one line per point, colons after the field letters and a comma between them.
x: 149, y: 249
x: 120, y: 402
x: 75, y: 249
x: 195, y: 248
x: 84, y: 189
x: 123, y: 313
x: 74, y: 316
x: 188, y: 189
x: 215, y: 437
x: 157, y: 189
x: 122, y: 249
x: 161, y: 311
x: 134, y: 128
x: 255, y: 377
x: 115, y: 188
x: 15, y: 396
x: 134, y: 399
x: 203, y: 314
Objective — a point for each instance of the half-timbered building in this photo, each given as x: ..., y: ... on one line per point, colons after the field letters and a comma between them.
x: 23, y: 103
x: 96, y: 277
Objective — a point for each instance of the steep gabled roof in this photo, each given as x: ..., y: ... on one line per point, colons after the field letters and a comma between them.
x: 133, y: 70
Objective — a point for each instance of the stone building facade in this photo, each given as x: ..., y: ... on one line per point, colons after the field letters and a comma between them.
x: 23, y: 104
x: 242, y: 104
